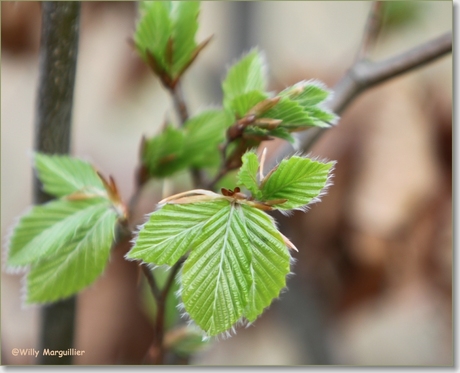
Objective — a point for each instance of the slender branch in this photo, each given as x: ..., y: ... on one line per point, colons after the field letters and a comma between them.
x: 157, y: 349
x: 364, y: 75
x: 179, y: 102
x: 371, y: 31
x: 156, y: 292
x: 58, y: 58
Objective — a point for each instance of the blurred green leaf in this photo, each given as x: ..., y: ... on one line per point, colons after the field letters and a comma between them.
x: 247, y: 176
x: 246, y: 75
x: 62, y: 175
x: 79, y: 258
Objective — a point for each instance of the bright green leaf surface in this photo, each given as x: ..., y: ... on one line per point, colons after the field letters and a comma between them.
x: 247, y: 176
x: 169, y: 232
x: 270, y: 261
x: 185, y: 25
x: 290, y: 112
x: 62, y: 175
x: 241, y: 104
x: 245, y: 76
x: 297, y: 179
x: 307, y: 93
x: 235, y: 268
x: 81, y: 258
x: 46, y: 229
x: 153, y: 31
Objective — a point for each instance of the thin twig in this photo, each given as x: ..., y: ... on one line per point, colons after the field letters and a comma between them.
x: 371, y: 31
x: 179, y: 102
x: 364, y: 75
x: 156, y: 292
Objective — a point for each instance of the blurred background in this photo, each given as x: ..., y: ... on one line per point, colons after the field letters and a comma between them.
x: 373, y: 276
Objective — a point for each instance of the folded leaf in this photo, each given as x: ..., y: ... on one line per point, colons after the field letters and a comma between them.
x: 307, y: 93
x: 241, y: 104
x: 247, y: 75
x: 247, y: 176
x: 62, y: 175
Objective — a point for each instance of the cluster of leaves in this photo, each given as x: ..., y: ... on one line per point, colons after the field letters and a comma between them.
x: 237, y: 259
x: 66, y: 242
x: 165, y: 39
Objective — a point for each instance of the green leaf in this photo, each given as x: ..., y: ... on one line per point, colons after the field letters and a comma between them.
x: 307, y: 93
x: 247, y: 176
x: 298, y: 180
x: 153, y: 31
x: 47, y: 228
x: 225, y: 275
x: 163, y: 153
x: 185, y: 25
x: 245, y: 76
x: 63, y: 175
x: 170, y: 231
x: 80, y: 260
x: 291, y: 113
x: 270, y: 261
x: 279, y: 132
x: 321, y: 117
x: 203, y: 135
x: 241, y: 104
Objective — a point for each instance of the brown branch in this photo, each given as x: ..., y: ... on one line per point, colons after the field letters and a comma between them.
x: 371, y: 31
x: 179, y: 102
x: 364, y: 75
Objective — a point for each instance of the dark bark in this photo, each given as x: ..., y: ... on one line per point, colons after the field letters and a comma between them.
x: 58, y: 57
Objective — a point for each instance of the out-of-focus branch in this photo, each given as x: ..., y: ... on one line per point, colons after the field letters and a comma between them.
x: 58, y: 58
x: 364, y: 75
x: 373, y: 26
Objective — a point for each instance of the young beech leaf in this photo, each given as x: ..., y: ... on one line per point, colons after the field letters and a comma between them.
x: 237, y: 265
x: 47, y: 228
x: 153, y: 31
x: 163, y: 153
x: 298, y: 180
x: 170, y: 231
x: 241, y: 104
x: 203, y: 134
x: 247, y: 176
x: 291, y: 113
x: 62, y: 175
x: 165, y: 36
x: 307, y: 93
x: 184, y: 16
x: 79, y: 260
x: 247, y: 75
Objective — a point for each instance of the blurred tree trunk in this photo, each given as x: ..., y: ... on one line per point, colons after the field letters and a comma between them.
x: 58, y: 57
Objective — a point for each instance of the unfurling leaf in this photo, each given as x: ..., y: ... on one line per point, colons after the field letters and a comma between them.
x: 165, y: 37
x: 246, y: 77
x: 247, y: 176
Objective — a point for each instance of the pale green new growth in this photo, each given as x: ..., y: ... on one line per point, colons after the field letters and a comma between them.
x: 247, y: 75
x: 237, y: 260
x: 169, y: 232
x: 298, y: 180
x: 165, y: 35
x: 44, y: 230
x: 62, y: 175
x: 66, y: 242
x: 79, y: 260
x: 247, y: 176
